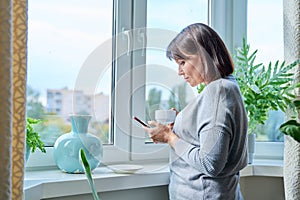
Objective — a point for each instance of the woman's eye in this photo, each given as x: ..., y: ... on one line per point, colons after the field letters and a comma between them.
x: 181, y: 63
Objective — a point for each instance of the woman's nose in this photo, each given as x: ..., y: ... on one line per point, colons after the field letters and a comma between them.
x: 180, y: 71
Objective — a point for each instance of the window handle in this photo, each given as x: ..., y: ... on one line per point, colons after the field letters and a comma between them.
x: 127, y: 36
x: 143, y: 38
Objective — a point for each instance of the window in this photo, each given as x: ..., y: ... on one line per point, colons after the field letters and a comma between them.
x: 125, y: 77
x: 60, y: 40
x: 63, y: 38
x: 270, y: 48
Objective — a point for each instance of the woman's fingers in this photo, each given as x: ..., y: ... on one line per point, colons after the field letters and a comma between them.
x: 158, y: 132
x: 153, y: 123
x: 153, y: 129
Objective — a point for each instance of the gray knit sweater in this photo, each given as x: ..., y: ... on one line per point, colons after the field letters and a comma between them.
x: 206, y: 160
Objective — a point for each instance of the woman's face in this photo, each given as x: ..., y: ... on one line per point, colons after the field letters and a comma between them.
x: 190, y: 69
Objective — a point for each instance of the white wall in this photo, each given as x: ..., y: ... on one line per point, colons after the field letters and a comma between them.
x: 253, y: 188
x: 262, y: 188
x: 149, y: 193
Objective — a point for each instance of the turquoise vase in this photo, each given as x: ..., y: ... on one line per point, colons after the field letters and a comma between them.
x: 67, y: 146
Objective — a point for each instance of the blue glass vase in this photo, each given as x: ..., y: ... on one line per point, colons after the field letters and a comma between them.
x: 67, y: 146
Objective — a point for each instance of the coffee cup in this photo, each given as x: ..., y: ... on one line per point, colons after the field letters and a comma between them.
x: 165, y: 116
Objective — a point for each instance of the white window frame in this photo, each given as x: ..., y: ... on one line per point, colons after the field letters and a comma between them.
x: 140, y: 150
x: 227, y: 17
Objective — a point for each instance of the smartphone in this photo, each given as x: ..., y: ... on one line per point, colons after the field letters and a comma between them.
x: 141, y: 122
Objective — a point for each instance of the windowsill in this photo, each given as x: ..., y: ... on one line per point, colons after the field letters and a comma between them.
x: 271, y: 168
x: 54, y: 183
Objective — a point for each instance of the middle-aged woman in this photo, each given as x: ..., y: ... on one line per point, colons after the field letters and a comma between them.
x: 208, y: 139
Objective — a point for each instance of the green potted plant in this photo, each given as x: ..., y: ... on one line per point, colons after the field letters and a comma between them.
x: 33, y: 140
x: 264, y: 88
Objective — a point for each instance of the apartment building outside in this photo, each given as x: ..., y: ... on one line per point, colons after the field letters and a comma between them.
x: 64, y: 102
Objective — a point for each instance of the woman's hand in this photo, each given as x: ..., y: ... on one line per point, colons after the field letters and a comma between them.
x: 160, y: 133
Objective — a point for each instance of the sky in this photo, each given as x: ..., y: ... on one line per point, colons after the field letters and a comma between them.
x: 265, y: 30
x: 61, y: 38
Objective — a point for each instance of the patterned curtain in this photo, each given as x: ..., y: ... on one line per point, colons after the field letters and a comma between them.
x: 291, y: 170
x: 13, y: 41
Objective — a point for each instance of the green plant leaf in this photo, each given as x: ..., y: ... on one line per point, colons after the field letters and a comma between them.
x: 32, y: 137
x: 292, y: 96
x: 200, y: 87
x: 275, y: 68
x: 291, y: 128
x: 297, y: 104
x: 88, y: 173
x: 287, y: 75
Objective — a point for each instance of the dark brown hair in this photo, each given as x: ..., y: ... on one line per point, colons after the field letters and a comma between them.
x: 199, y: 39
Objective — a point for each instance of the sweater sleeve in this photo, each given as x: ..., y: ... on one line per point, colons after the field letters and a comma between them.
x: 211, y: 156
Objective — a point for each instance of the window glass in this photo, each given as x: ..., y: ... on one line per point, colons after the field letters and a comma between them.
x: 265, y: 33
x: 164, y: 88
x: 61, y: 36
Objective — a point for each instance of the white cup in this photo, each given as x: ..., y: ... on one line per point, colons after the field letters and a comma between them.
x: 165, y: 116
